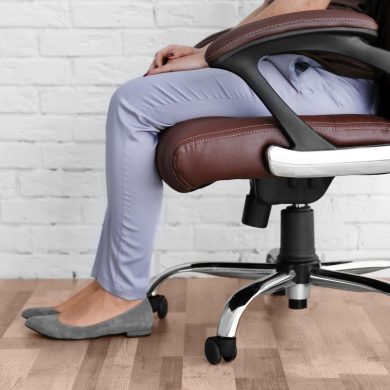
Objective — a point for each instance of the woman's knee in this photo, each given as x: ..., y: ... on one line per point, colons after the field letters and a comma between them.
x: 125, y: 93
x: 129, y: 107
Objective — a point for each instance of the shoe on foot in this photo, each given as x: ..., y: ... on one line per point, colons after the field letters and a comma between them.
x: 38, y: 311
x: 134, y: 322
x: 46, y: 310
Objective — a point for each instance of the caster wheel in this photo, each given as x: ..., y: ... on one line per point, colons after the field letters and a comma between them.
x: 211, y: 350
x: 217, y: 347
x: 159, y: 304
x: 231, y: 357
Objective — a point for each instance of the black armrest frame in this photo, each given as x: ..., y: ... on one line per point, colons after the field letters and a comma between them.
x: 355, y: 43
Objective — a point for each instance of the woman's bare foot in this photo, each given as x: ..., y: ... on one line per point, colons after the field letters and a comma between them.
x: 81, y: 294
x: 98, y: 306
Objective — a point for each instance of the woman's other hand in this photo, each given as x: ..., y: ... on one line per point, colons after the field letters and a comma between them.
x: 192, y: 61
x: 177, y: 57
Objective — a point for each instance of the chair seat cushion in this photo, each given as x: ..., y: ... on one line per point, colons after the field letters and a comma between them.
x: 198, y: 152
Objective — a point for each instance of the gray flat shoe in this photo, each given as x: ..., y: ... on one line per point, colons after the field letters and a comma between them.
x: 134, y: 322
x: 38, y: 311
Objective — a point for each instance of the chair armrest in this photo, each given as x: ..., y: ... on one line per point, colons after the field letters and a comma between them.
x: 340, y: 32
x: 285, y: 23
x: 211, y: 38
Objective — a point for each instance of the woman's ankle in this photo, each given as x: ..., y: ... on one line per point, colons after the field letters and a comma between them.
x: 76, y: 297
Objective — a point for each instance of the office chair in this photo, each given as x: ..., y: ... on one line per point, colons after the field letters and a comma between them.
x: 288, y: 159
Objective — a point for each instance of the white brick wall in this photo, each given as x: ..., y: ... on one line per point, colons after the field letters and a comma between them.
x: 60, y: 61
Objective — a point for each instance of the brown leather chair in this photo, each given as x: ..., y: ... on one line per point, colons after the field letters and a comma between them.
x: 288, y: 159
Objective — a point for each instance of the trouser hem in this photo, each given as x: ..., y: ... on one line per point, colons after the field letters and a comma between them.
x: 129, y: 294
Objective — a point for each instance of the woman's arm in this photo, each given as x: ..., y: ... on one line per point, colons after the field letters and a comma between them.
x: 195, y: 58
x: 255, y: 12
x: 278, y: 7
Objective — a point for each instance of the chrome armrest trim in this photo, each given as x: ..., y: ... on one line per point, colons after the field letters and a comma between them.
x: 328, y: 163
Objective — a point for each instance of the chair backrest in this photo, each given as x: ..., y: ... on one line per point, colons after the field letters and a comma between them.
x: 380, y: 11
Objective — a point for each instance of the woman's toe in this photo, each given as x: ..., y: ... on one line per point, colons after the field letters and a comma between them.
x: 46, y: 325
x: 38, y: 311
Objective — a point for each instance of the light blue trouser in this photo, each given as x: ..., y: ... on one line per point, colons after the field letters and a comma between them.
x: 141, y: 108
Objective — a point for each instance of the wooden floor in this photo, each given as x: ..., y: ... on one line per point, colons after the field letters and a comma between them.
x: 340, y: 342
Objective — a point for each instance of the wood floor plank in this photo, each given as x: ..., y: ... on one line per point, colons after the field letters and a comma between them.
x: 177, y: 293
x: 167, y: 338
x: 371, y: 335
x: 18, y: 284
x: 255, y: 331
x: 31, y: 341
x: 262, y: 365
x: 11, y: 304
x: 118, y: 364
x: 171, y: 373
x: 49, y: 372
x: 14, y: 367
x: 207, y: 293
x: 340, y: 342
x: 146, y: 373
x: 315, y: 384
x: 257, y: 383
x: 194, y: 333
x: 92, y: 364
x: 199, y: 375
x: 300, y: 354
x: 371, y: 382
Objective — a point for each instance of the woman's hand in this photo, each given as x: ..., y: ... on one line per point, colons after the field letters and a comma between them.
x: 177, y: 57
x: 192, y: 61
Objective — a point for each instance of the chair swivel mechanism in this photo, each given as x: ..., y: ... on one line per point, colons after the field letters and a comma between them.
x: 288, y: 159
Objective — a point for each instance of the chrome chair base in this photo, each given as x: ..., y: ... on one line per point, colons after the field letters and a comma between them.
x: 225, y: 269
x: 269, y: 278
x: 255, y: 271
x: 291, y: 269
x: 321, y: 277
